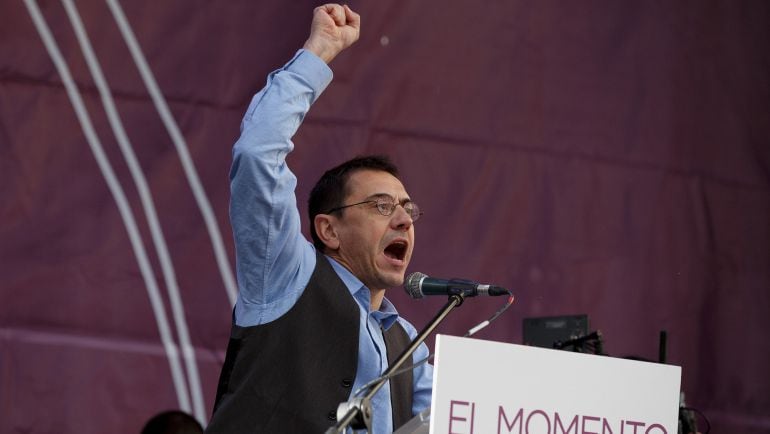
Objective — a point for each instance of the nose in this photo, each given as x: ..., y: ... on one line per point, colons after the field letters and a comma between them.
x: 401, y: 219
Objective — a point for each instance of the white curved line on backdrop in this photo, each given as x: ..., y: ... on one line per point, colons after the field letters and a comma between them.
x: 124, y: 208
x: 184, y: 155
x: 167, y: 267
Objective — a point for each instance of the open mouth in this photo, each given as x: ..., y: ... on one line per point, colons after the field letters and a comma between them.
x: 396, y: 250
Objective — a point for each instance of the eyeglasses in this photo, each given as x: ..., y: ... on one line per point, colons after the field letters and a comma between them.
x: 386, y: 205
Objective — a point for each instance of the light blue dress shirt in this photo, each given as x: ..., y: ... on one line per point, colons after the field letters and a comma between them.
x: 274, y: 261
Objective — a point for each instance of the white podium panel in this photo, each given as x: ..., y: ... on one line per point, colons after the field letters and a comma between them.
x: 482, y: 387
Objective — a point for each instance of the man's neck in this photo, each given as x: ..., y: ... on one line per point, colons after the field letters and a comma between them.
x: 376, y: 296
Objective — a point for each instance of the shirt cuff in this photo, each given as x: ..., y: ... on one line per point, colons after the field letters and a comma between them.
x: 314, y: 70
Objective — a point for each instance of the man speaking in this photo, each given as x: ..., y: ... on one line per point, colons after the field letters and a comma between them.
x: 311, y: 323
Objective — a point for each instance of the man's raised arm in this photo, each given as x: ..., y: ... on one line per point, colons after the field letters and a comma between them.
x: 273, y: 260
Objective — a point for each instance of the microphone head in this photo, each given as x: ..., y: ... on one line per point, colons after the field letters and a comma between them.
x: 413, y: 284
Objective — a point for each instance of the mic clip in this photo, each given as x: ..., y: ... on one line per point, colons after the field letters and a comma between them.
x: 463, y: 288
x: 363, y: 417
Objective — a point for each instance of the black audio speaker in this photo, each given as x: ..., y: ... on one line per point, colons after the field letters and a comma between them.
x: 546, y: 332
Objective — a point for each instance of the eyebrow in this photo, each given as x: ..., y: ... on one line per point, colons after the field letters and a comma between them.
x: 380, y: 195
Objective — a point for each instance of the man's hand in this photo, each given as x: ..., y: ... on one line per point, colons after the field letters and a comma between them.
x: 334, y: 29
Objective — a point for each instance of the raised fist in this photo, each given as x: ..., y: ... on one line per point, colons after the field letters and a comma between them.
x: 334, y: 28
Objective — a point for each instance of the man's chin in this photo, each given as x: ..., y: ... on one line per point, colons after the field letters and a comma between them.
x: 391, y: 275
x: 393, y: 279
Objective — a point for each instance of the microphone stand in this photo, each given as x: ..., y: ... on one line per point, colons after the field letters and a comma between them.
x: 359, y: 410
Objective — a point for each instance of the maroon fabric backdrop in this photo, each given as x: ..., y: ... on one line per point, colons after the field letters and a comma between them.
x: 608, y: 158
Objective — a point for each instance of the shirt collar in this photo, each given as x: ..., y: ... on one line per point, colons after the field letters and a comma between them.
x: 386, y: 316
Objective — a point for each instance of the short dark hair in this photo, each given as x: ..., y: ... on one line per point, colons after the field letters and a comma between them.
x: 172, y: 422
x: 331, y: 189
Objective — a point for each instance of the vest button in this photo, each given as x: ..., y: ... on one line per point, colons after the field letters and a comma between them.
x: 347, y: 383
x: 332, y: 415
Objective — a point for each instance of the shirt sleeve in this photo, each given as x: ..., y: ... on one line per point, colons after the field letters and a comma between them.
x: 274, y: 261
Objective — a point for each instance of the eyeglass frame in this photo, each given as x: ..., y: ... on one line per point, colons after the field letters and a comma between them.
x: 378, y: 200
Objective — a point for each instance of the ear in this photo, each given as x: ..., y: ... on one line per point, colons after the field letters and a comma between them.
x: 326, y: 230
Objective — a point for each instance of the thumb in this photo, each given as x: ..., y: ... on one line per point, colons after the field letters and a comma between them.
x: 352, y: 18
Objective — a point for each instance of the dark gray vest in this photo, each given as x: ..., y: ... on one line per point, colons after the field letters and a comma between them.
x: 289, y: 375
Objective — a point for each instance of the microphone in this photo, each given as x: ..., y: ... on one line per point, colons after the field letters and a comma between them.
x: 418, y: 285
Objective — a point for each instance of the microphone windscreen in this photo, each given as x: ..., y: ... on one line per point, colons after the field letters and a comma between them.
x: 412, y: 284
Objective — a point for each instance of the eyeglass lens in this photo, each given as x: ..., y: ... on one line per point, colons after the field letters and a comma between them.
x: 386, y: 206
